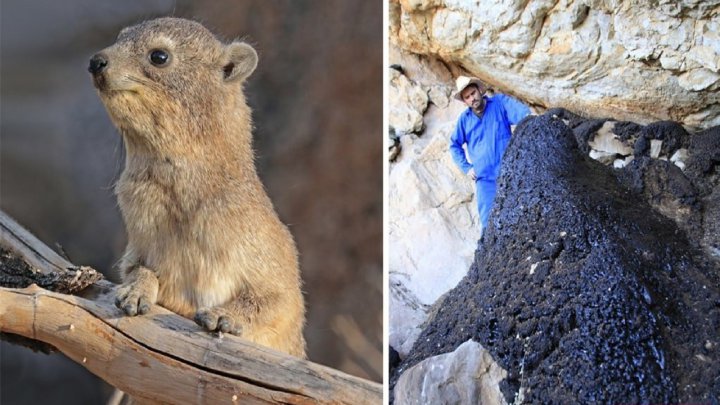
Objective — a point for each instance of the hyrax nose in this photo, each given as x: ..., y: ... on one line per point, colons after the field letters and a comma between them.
x: 97, y: 64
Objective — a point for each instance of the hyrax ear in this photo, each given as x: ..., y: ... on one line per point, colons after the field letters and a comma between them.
x: 240, y: 61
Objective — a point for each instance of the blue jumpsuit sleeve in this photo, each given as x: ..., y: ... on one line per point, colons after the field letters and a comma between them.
x: 456, y: 150
x: 515, y: 110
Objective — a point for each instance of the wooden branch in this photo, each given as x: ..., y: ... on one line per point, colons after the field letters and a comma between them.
x: 160, y: 356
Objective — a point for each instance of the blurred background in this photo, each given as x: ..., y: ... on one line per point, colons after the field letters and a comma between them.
x: 317, y: 101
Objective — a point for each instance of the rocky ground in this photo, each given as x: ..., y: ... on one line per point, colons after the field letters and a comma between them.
x: 594, y: 283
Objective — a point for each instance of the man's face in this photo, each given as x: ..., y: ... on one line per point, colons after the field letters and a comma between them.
x: 473, y: 98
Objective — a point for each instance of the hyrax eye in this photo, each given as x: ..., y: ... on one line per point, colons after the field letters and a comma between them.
x: 158, y: 57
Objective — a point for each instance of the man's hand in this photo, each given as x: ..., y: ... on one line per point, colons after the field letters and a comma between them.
x: 471, y: 174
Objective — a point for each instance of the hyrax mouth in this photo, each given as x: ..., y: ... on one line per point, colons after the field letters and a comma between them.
x: 100, y: 82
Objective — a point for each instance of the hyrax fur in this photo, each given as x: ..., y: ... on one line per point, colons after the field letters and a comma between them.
x: 203, y: 237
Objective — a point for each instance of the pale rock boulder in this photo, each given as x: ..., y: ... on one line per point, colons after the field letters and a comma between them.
x: 407, y: 313
x: 679, y: 158
x: 469, y: 375
x: 408, y: 102
x: 606, y: 141
x: 607, y: 147
x: 428, y: 72
x: 635, y: 61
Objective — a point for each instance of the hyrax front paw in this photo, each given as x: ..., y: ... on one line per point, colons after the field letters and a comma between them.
x: 138, y: 294
x: 218, y: 319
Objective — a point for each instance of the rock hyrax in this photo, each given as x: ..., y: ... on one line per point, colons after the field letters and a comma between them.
x: 203, y: 237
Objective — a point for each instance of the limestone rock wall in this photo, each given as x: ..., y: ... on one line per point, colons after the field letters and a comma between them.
x: 633, y: 60
x: 433, y: 225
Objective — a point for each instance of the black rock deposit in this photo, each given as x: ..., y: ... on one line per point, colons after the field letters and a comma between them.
x: 593, y: 284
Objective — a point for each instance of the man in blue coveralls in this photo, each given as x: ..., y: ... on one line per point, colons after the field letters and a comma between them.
x: 485, y: 128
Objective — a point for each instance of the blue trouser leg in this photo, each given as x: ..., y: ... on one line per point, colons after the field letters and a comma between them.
x: 485, y: 197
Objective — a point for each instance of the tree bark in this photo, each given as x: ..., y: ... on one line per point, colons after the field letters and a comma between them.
x: 160, y: 356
